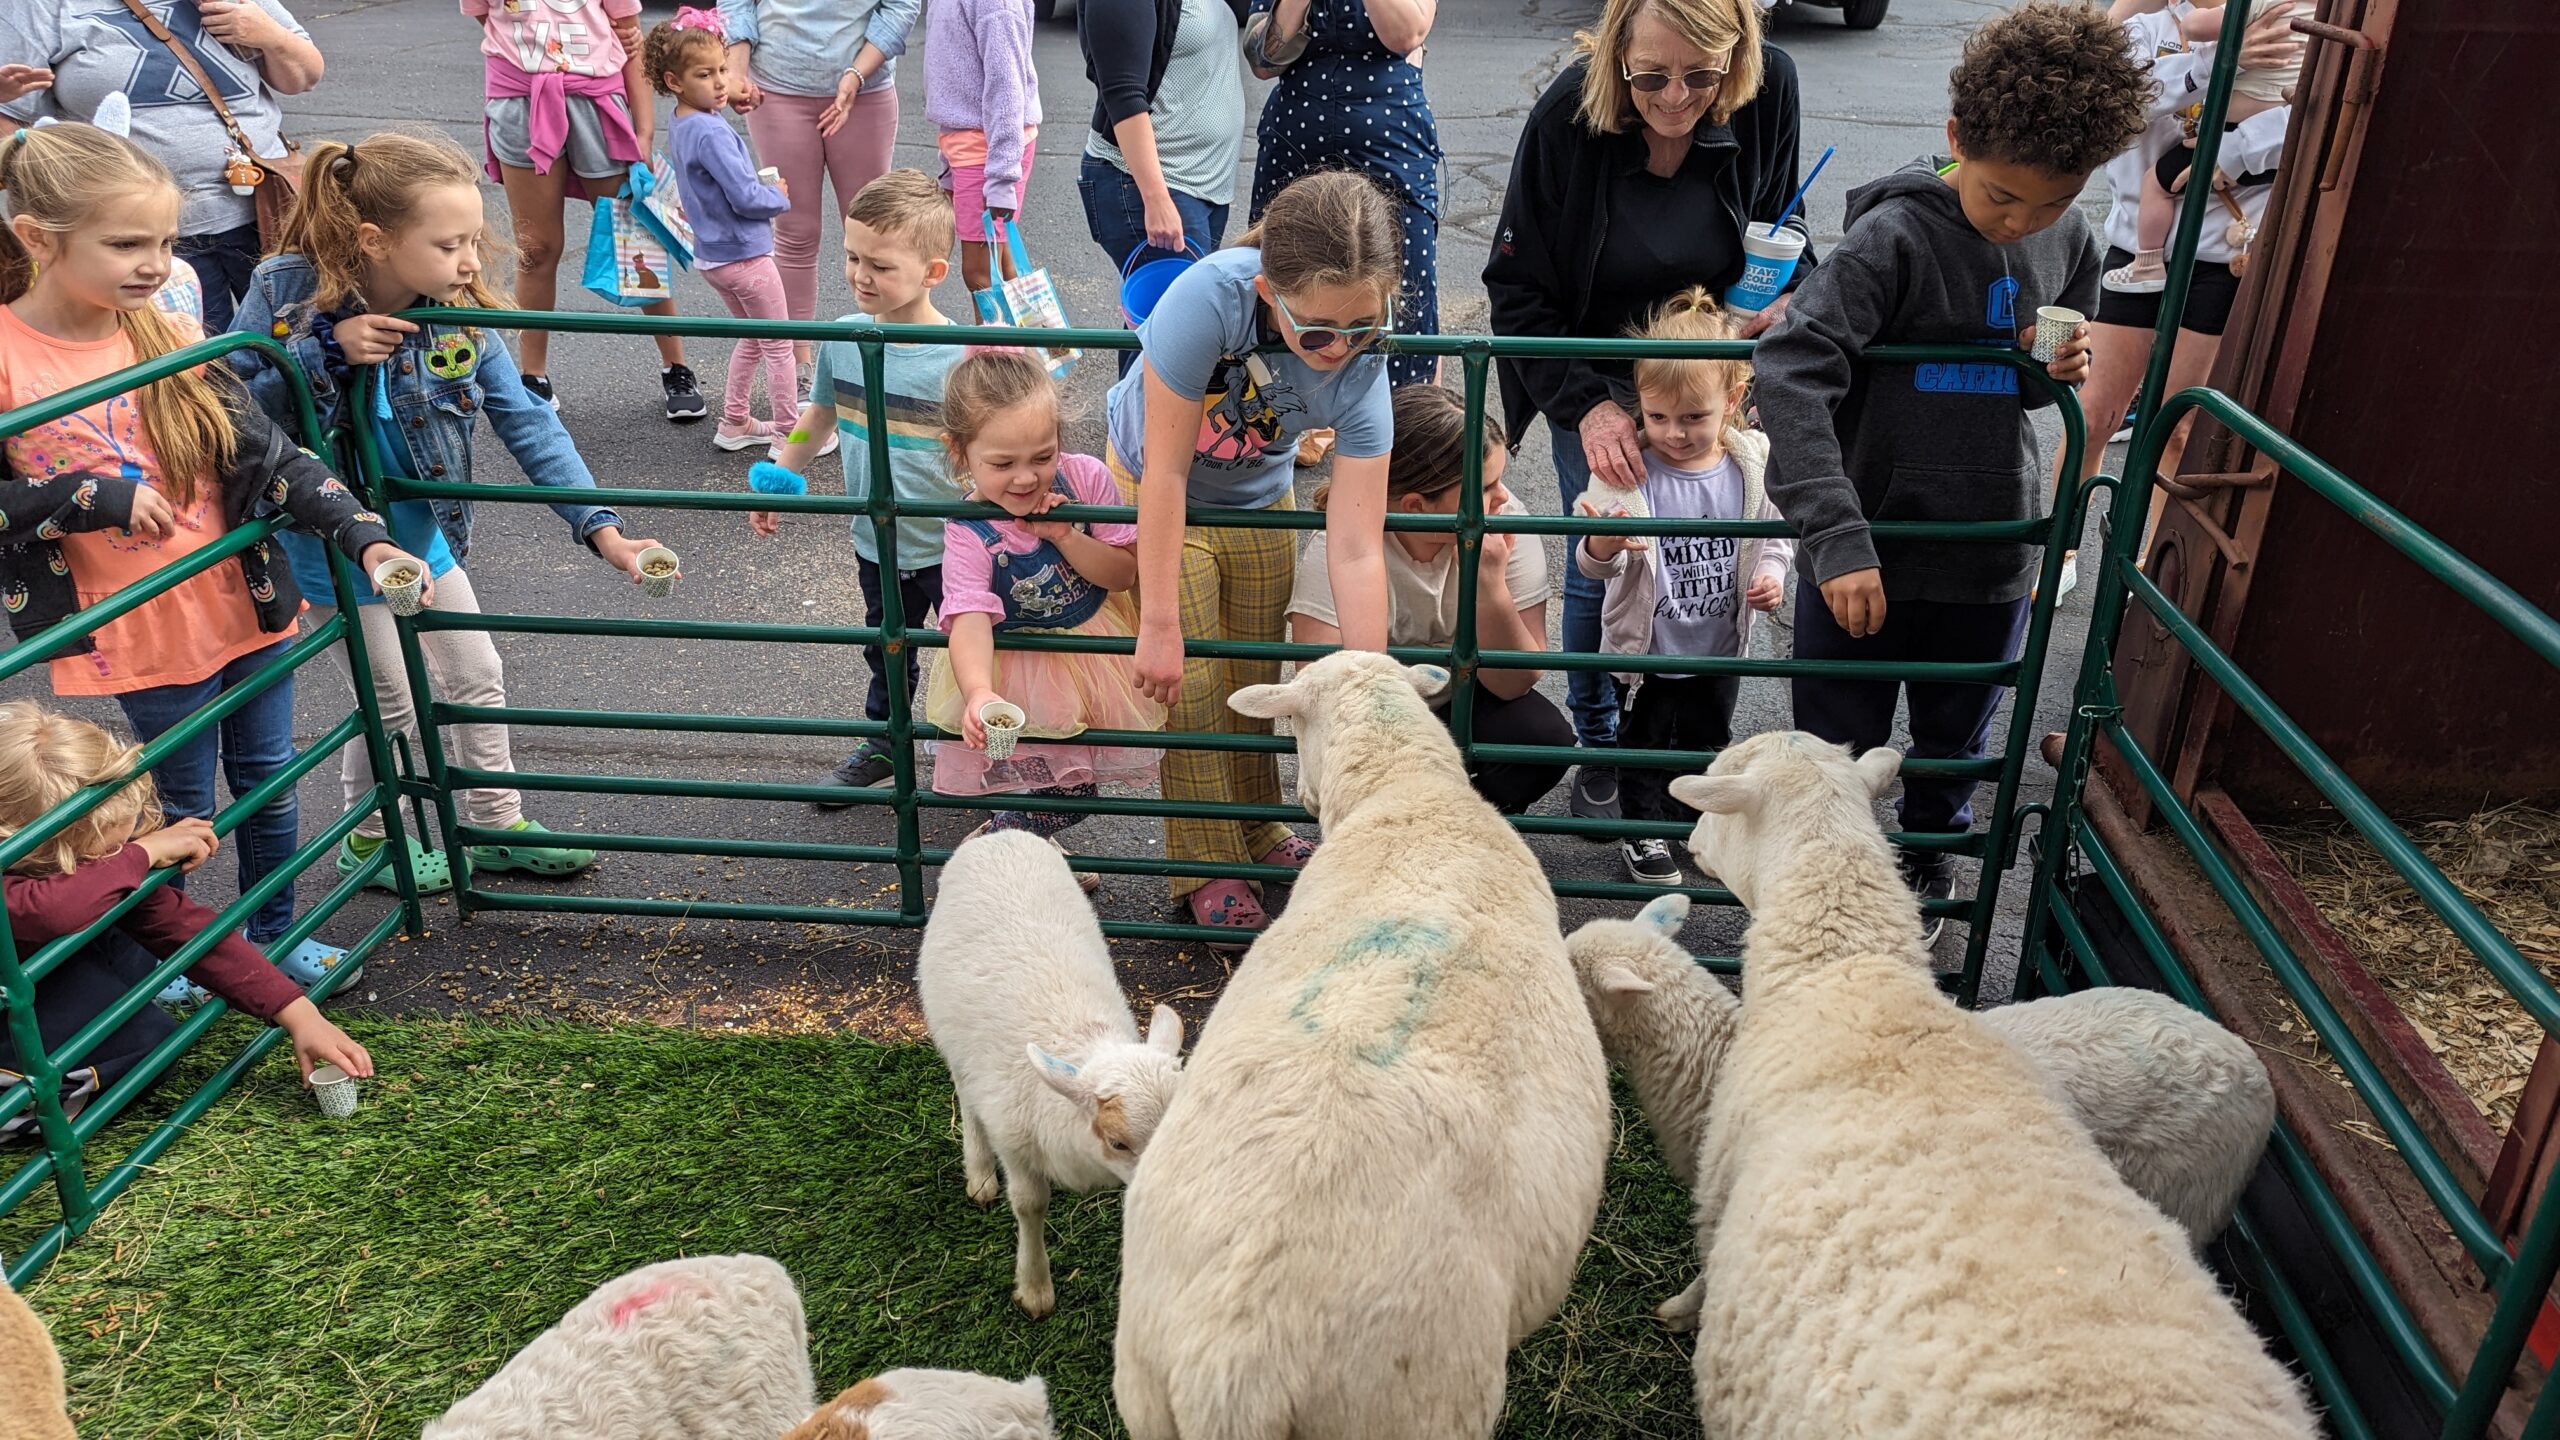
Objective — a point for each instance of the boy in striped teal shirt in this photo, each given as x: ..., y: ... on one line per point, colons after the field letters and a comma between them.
x: 897, y: 246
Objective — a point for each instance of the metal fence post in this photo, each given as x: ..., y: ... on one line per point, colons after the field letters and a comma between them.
x: 894, y: 646
x: 1462, y: 651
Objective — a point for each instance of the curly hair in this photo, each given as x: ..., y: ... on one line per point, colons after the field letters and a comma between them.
x: 2049, y: 85
x: 667, y: 50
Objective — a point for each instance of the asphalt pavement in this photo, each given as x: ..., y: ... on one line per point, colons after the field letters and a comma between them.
x: 412, y: 64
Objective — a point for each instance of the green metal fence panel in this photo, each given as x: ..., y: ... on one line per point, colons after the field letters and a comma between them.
x: 62, y: 1158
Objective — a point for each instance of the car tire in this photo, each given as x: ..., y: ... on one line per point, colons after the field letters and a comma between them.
x: 1863, y: 14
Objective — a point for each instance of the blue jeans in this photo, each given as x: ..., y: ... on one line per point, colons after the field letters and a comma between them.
x: 1116, y: 214
x: 1591, y: 694
x: 256, y: 742
x: 222, y: 260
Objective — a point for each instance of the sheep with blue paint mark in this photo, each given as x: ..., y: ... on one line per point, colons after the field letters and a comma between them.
x: 1055, y: 1086
x: 1389, y: 1146
x: 1903, y: 1232
x: 2181, y: 1106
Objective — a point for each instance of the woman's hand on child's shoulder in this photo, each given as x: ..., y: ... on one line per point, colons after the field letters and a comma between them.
x: 372, y: 339
x: 185, y: 844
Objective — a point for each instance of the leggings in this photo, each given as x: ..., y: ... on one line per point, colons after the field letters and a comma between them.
x: 463, y: 666
x: 785, y: 129
x: 752, y: 290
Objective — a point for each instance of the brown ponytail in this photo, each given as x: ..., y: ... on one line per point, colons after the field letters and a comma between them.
x: 1334, y: 227
x: 1431, y: 445
x: 377, y: 182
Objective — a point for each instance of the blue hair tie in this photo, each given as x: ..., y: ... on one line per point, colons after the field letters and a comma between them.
x: 767, y: 478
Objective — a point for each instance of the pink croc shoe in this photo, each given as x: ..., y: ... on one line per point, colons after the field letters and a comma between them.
x: 1227, y: 904
x: 1292, y: 853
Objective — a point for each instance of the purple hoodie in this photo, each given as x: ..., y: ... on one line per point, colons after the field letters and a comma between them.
x: 978, y: 76
x: 731, y: 211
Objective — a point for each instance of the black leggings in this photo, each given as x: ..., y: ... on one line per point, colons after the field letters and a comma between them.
x: 1531, y: 719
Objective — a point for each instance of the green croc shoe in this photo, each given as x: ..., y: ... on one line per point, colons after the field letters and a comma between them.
x: 552, y: 861
x: 435, y: 876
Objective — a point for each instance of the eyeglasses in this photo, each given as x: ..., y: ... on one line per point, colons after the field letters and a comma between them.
x: 1325, y: 337
x: 1650, y: 81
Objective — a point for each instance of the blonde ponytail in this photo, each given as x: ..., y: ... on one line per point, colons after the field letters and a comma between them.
x: 1693, y: 314
x: 375, y: 181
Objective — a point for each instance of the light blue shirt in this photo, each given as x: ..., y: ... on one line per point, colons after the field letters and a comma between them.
x: 1200, y: 340
x: 919, y: 468
x: 803, y: 47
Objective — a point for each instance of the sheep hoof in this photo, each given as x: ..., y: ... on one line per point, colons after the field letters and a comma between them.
x: 1036, y: 1303
x: 1679, y: 1314
x: 982, y: 1190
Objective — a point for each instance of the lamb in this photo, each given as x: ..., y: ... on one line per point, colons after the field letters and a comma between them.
x: 933, y: 1405
x: 1389, y: 1150
x: 1054, y: 1084
x: 712, y: 1345
x: 1903, y: 1232
x: 2180, y: 1105
x: 33, y: 1404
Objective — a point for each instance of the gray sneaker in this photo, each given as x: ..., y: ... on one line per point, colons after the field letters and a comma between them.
x: 1650, y: 862
x: 1931, y: 877
x: 1595, y: 793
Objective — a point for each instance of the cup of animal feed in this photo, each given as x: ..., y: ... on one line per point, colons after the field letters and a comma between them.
x: 1003, y: 720
x: 335, y: 1089
x: 2054, y: 324
x: 1768, y: 262
x: 403, y: 584
x: 769, y: 176
x: 659, y: 572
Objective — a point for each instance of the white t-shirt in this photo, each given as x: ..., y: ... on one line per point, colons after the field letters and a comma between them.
x: 1422, y: 595
x: 1696, y: 591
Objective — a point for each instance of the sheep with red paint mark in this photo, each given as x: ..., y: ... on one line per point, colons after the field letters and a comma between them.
x: 1390, y: 1143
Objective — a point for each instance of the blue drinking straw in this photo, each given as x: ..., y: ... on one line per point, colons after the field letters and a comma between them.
x: 1800, y: 190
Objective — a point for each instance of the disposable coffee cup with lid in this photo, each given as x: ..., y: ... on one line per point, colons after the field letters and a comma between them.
x: 335, y: 1090
x: 1768, y: 262
x: 2054, y: 324
x: 1004, y: 721
x: 659, y: 571
x: 403, y: 584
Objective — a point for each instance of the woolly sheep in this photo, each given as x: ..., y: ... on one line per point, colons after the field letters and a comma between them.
x: 2181, y: 1106
x: 933, y: 1405
x: 1389, y: 1149
x: 1054, y: 1084
x: 33, y: 1405
x: 1903, y: 1233
x: 713, y: 1345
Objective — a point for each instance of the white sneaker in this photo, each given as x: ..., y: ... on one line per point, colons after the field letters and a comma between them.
x: 2138, y: 278
x: 2070, y: 578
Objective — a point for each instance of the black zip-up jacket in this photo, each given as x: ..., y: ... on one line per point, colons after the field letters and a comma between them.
x: 1555, y: 217
x: 1127, y: 44
x: 268, y: 473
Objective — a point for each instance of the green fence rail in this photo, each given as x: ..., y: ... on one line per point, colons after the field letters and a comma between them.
x: 906, y: 797
x: 64, y: 1156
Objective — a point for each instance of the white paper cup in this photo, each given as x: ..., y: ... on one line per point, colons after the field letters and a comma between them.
x: 1004, y: 721
x: 770, y: 176
x: 335, y: 1089
x: 2054, y: 324
x: 403, y: 584
x: 1768, y: 262
x: 659, y: 571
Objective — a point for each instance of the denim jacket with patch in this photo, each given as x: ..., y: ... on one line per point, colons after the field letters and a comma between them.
x: 440, y: 381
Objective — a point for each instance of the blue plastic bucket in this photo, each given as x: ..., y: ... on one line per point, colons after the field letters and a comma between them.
x: 1141, y: 286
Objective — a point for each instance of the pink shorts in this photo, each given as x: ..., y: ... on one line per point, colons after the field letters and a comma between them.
x: 964, y: 175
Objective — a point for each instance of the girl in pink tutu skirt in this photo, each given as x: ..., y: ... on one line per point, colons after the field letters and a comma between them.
x: 1030, y: 576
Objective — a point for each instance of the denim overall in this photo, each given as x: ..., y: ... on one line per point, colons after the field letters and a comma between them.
x: 1041, y: 591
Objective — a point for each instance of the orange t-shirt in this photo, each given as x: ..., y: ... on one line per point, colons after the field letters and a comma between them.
x: 181, y: 637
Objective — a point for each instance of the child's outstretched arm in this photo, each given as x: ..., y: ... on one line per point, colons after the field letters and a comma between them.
x: 316, y: 500
x: 973, y: 669
x: 1805, y: 368
x: 533, y: 434
x: 786, y: 473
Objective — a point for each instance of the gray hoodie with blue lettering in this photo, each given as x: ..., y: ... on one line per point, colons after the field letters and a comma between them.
x: 1855, y: 440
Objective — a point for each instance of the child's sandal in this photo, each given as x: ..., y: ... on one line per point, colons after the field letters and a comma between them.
x: 549, y: 861
x: 1227, y: 904
x: 434, y: 872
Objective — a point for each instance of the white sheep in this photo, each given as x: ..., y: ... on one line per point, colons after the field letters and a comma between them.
x: 1391, y: 1142
x: 712, y: 1345
x: 33, y: 1403
x: 1054, y: 1084
x: 1903, y: 1233
x: 2181, y: 1106
x: 933, y: 1405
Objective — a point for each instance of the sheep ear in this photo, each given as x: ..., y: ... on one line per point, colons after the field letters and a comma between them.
x: 1619, y: 980
x: 1716, y: 794
x: 1431, y: 680
x: 1164, y: 1030
x: 1665, y: 914
x: 1267, y: 702
x: 1063, y: 1076
x: 1878, y: 766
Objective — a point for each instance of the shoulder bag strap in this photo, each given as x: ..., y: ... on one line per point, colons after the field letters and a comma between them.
x: 204, y: 82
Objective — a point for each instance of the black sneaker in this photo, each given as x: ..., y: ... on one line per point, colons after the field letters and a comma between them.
x: 1931, y: 877
x: 865, y: 770
x: 1595, y: 792
x: 539, y: 387
x: 684, y: 396
x: 1649, y: 862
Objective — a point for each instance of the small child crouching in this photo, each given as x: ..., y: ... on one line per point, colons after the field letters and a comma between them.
x: 89, y: 869
x: 1689, y: 594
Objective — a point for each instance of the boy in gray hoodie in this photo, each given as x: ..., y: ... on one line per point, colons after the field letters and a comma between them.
x: 1942, y: 251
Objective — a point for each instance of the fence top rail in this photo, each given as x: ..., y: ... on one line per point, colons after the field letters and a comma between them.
x: 2514, y: 613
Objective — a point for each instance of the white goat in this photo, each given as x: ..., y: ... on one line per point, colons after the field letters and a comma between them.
x: 1390, y: 1146
x: 933, y: 1405
x: 1054, y: 1084
x: 713, y: 1345
x: 1903, y: 1233
x: 2181, y: 1106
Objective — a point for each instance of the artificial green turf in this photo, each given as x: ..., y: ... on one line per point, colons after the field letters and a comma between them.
x: 286, y: 1276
